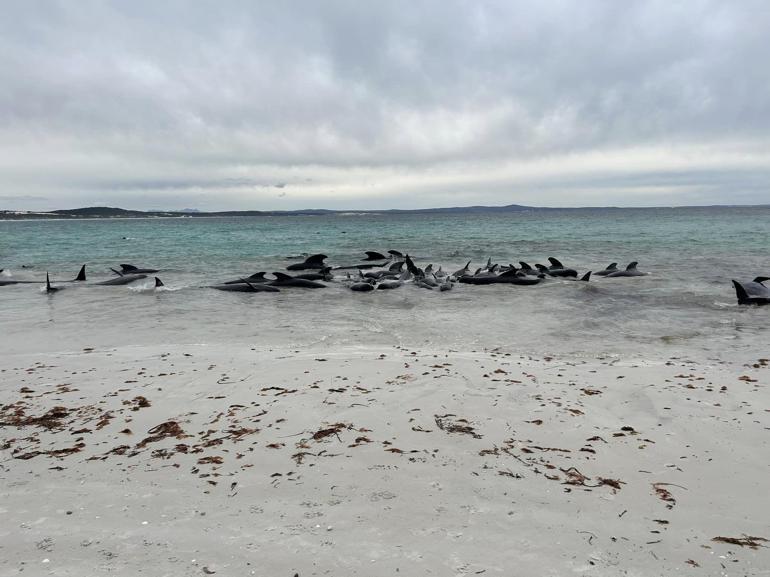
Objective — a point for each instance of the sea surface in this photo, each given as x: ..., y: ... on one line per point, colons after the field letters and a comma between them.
x: 686, y: 306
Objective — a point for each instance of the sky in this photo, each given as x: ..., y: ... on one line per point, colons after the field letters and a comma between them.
x: 230, y: 105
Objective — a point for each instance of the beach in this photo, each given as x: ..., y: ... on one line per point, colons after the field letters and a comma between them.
x: 186, y: 459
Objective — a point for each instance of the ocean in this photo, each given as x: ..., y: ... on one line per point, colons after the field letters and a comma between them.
x: 685, y: 306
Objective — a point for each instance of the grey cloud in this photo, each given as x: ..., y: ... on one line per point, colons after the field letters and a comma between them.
x: 116, y: 96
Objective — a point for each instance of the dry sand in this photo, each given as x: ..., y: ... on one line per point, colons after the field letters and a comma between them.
x: 222, y: 460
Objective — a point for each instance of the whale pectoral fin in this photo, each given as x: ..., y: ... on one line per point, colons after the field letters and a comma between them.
x: 740, y: 292
x: 82, y: 274
x: 116, y: 272
x: 632, y: 265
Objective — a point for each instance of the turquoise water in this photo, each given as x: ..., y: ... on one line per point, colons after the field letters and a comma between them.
x: 685, y: 304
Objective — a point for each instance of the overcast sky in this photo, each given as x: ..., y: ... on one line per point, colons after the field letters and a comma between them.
x: 284, y: 105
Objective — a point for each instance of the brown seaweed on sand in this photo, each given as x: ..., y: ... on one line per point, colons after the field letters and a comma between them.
x: 163, y: 431
x: 331, y: 430
x: 745, y: 541
x: 445, y: 423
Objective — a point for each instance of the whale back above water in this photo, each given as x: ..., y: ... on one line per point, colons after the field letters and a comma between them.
x: 752, y: 293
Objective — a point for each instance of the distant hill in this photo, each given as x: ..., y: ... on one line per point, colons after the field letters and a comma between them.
x: 112, y: 212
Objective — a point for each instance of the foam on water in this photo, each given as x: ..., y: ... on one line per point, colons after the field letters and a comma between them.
x: 685, y: 306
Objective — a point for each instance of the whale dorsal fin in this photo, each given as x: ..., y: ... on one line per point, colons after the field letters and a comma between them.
x: 740, y: 292
x: 82, y: 274
x: 395, y: 253
x: 555, y: 262
x: 374, y: 255
x: 761, y: 279
x: 586, y: 277
x: 613, y: 266
x: 281, y: 276
x: 524, y: 265
x: 127, y: 267
x: 258, y: 275
x: 632, y: 265
x: 47, y: 283
x: 316, y: 258
x: 541, y: 267
x: 158, y: 282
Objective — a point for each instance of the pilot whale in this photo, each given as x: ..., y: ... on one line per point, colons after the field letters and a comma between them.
x: 754, y: 292
x: 314, y: 261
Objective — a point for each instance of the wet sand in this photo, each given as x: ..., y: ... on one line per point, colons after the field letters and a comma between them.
x: 185, y: 460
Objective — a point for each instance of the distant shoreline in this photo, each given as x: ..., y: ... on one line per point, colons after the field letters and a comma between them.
x: 110, y: 213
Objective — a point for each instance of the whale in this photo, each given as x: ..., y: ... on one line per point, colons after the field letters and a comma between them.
x: 256, y: 278
x: 323, y: 274
x: 362, y: 286
x: 285, y: 280
x: 8, y: 281
x: 559, y: 270
x: 245, y: 287
x: 131, y: 269
x: 370, y: 256
x: 389, y: 285
x: 613, y: 267
x: 630, y: 271
x: 313, y: 262
x: 754, y: 292
x: 121, y: 280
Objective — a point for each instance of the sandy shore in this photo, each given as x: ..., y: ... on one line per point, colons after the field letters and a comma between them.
x: 190, y: 460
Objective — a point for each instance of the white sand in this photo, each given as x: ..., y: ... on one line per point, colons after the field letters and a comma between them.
x: 388, y: 491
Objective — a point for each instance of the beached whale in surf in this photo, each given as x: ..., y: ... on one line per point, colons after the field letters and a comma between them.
x: 256, y: 278
x: 630, y: 271
x: 558, y: 269
x: 613, y: 267
x: 285, y: 280
x: 754, y: 292
x: 370, y: 256
x: 363, y: 286
x: 131, y: 269
x: 245, y: 287
x: 313, y: 262
x: 7, y: 281
x: 121, y: 280
x: 323, y: 274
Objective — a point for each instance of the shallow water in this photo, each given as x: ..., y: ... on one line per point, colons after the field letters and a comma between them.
x: 685, y: 306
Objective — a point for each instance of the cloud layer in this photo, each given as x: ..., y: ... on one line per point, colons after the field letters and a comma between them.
x: 274, y: 105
